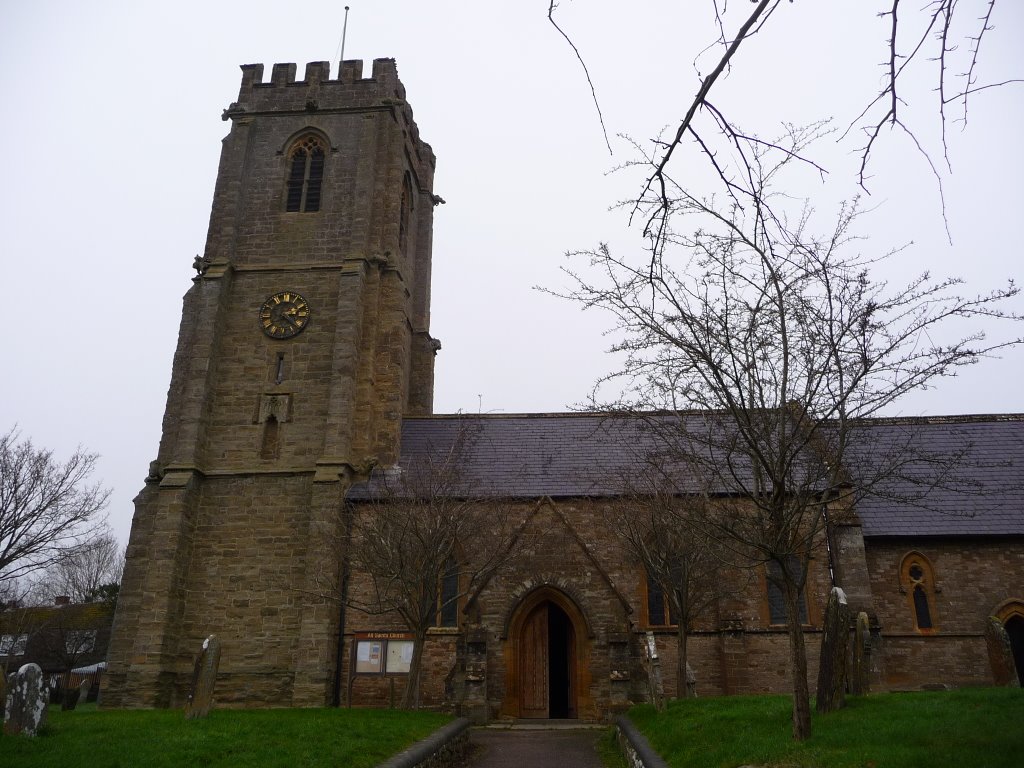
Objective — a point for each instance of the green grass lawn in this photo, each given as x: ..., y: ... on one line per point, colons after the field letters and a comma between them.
x: 955, y: 729
x: 353, y: 738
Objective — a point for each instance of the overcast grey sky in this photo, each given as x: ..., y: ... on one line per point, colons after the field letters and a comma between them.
x: 112, y: 135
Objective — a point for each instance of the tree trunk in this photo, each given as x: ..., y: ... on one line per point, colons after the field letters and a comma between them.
x: 798, y: 663
x: 682, y: 689
x: 411, y: 698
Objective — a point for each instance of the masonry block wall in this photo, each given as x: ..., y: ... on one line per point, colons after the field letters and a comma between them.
x: 972, y: 577
x: 567, y: 553
x: 236, y: 532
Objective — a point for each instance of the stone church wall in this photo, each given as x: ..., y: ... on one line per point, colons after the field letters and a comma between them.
x: 566, y: 547
x: 971, y: 578
x: 245, y: 585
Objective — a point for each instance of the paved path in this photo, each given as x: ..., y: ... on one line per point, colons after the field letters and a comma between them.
x: 499, y: 748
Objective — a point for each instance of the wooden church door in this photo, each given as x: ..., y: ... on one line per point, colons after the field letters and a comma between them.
x: 533, y: 665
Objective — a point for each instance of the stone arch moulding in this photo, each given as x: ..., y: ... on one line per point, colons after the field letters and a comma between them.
x: 917, y: 582
x: 1009, y: 608
x: 525, y: 604
x: 533, y: 592
x: 308, y: 130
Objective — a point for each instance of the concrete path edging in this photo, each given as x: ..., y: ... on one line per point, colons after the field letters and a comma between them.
x: 635, y: 747
x: 441, y: 748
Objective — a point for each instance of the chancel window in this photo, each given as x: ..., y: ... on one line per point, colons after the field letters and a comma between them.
x: 448, y: 596
x: 918, y: 582
x: 660, y: 612
x: 305, y: 175
x: 776, y: 597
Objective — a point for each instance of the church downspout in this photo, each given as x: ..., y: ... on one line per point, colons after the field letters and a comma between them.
x: 339, y: 654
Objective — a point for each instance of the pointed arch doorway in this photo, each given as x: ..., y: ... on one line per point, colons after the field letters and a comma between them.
x: 1011, y: 614
x: 546, y: 657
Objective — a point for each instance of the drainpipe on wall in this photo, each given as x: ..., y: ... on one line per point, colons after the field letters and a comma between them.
x: 339, y: 654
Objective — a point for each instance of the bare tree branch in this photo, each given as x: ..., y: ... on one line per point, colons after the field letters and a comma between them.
x: 768, y: 346
x: 46, y: 507
x: 593, y: 92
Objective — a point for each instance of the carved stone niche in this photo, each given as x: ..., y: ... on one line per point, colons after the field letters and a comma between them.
x: 277, y: 405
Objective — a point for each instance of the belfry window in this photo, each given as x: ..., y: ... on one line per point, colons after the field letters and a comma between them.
x: 918, y: 582
x: 305, y: 176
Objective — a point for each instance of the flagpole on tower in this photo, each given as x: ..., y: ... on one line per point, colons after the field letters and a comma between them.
x: 344, y: 30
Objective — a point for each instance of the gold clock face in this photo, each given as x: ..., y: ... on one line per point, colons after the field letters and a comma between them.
x: 284, y: 315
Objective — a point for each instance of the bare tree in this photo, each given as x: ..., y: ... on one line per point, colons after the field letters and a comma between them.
x: 771, y: 345
x: 664, y: 531
x: 943, y: 35
x: 47, y: 507
x: 87, y: 573
x: 426, y: 540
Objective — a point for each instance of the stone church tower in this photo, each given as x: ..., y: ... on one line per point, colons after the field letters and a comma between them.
x: 304, y: 340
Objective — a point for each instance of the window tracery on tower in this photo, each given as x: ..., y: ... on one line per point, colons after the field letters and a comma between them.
x: 917, y: 581
x: 305, y: 174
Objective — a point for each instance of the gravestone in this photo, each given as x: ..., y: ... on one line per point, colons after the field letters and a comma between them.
x: 25, y: 712
x: 691, y: 682
x: 83, y: 690
x: 69, y: 698
x: 653, y: 666
x: 860, y: 676
x: 832, y: 670
x: 1000, y: 654
x: 3, y: 693
x: 204, y: 676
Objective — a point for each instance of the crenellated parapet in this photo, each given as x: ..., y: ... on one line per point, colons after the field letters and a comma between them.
x: 318, y: 93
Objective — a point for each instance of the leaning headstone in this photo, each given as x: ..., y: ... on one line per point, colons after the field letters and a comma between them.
x: 860, y: 675
x: 691, y: 682
x: 25, y: 712
x: 204, y: 676
x: 1000, y: 654
x: 832, y: 669
x: 83, y: 690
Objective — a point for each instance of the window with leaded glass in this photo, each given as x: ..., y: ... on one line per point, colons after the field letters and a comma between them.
x: 305, y: 176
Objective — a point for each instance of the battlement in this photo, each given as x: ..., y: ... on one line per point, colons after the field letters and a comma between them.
x: 317, y: 91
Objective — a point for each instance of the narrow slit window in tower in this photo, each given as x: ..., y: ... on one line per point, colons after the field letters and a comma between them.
x: 268, y: 449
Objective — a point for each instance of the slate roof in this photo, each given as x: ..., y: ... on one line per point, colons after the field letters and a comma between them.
x: 47, y: 628
x: 964, y: 476
x: 958, y: 475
